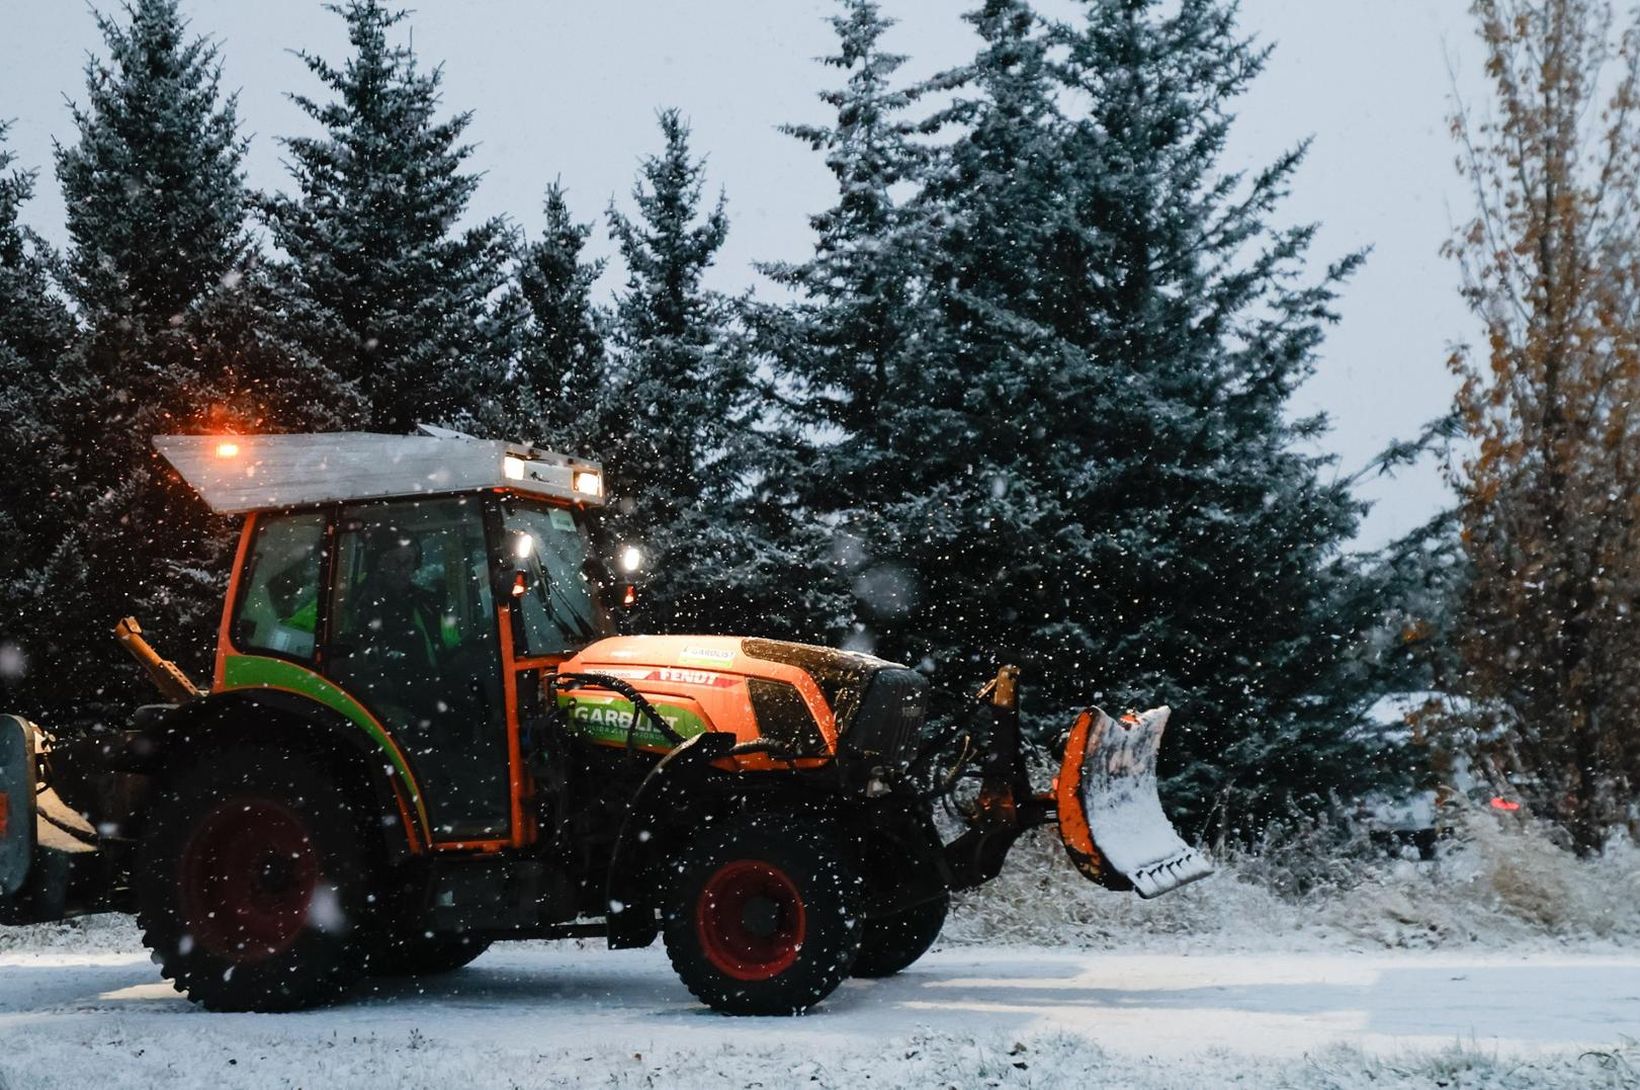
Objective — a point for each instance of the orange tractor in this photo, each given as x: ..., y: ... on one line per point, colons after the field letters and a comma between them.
x: 422, y: 736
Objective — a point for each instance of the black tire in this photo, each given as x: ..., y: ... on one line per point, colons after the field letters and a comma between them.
x: 892, y: 943
x: 253, y: 884
x: 762, y: 918
x: 419, y: 953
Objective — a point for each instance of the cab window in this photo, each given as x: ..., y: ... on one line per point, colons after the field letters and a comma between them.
x: 278, y: 609
x: 560, y: 611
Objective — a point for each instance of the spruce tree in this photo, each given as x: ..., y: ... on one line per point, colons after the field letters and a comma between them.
x: 179, y: 334
x: 37, y: 327
x: 390, y: 295
x: 35, y: 332
x: 958, y: 531
x: 856, y: 312
x: 558, y: 363
x: 840, y: 350
x: 156, y: 205
x: 1084, y: 462
x: 675, y: 411
x: 1208, y: 567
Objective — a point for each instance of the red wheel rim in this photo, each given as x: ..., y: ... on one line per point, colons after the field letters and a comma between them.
x: 248, y: 875
x: 750, y: 920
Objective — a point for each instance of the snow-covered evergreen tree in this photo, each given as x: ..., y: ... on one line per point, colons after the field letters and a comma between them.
x: 178, y: 335
x: 35, y: 332
x: 389, y: 294
x: 841, y: 350
x: 37, y: 327
x: 960, y: 538
x: 156, y: 206
x: 856, y: 313
x: 1082, y: 459
x: 1208, y: 544
x: 558, y: 363
x: 675, y: 412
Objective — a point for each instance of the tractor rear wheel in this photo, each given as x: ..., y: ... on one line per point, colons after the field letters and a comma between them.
x: 253, y: 883
x: 762, y: 918
x: 891, y: 943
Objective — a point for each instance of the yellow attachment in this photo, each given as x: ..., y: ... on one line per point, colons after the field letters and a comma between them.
x: 1002, y: 691
x: 166, y: 675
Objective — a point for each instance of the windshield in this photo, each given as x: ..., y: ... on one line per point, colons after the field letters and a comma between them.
x: 561, y: 611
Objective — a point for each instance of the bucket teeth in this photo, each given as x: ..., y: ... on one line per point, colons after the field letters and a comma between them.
x: 1170, y: 874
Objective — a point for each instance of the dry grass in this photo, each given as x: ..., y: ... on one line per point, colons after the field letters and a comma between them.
x: 1498, y: 883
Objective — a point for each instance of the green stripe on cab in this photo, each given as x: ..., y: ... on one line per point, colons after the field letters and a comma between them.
x: 262, y: 672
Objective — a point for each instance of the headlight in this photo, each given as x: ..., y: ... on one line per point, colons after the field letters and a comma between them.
x: 589, y: 483
x: 512, y: 468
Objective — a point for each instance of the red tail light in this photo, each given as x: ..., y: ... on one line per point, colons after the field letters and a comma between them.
x: 5, y: 814
x: 1501, y: 803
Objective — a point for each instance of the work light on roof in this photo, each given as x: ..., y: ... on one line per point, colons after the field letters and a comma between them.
x: 588, y: 483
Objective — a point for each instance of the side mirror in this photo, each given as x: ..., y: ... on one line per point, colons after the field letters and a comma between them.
x: 514, y: 584
x: 630, y: 563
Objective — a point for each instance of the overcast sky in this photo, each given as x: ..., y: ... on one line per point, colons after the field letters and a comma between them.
x: 569, y: 90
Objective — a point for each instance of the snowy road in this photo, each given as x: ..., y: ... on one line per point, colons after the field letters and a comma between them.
x: 559, y: 1015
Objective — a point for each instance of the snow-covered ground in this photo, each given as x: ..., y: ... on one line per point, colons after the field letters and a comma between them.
x: 85, y: 1008
x: 1508, y: 963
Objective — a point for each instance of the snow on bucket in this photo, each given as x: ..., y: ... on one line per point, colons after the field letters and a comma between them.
x: 1110, y: 817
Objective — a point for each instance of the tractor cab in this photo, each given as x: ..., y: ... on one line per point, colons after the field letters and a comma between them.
x: 407, y: 582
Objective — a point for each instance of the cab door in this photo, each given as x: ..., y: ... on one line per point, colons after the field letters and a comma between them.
x: 413, y: 635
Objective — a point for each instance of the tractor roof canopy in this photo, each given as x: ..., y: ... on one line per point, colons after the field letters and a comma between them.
x: 239, y: 473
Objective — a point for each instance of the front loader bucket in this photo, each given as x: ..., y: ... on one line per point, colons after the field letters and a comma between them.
x: 1110, y: 818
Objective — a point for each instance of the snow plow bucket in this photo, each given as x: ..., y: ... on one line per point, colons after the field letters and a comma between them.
x: 1110, y: 818
x: 16, y: 804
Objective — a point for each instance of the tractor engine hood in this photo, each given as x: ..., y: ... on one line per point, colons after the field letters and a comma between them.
x: 808, y: 701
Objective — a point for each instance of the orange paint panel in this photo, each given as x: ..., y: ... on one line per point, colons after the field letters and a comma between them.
x: 537, y: 662
x: 224, y: 633
x: 695, y: 668
x: 516, y: 787
x: 1067, y: 789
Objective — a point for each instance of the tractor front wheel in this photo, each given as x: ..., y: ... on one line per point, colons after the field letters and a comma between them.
x: 891, y: 943
x: 252, y: 884
x: 762, y: 918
